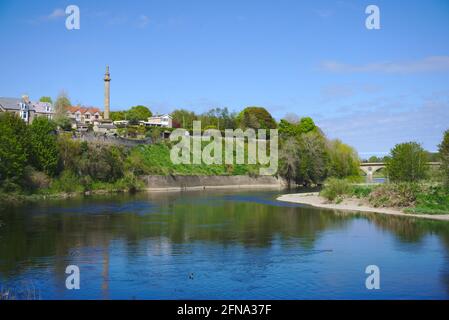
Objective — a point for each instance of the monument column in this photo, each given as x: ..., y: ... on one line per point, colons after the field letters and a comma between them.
x: 107, y: 79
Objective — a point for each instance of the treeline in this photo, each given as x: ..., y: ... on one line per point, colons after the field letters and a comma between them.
x: 35, y: 158
x: 222, y: 118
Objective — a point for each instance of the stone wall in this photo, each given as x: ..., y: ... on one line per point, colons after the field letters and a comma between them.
x: 156, y: 183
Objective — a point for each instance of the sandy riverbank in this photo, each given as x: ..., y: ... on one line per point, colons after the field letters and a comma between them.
x: 313, y: 199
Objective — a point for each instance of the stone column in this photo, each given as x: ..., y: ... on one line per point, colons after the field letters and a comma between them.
x: 107, y: 80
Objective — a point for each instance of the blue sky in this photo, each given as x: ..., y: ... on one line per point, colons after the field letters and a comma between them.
x: 370, y: 88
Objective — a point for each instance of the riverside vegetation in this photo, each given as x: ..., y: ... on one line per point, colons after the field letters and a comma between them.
x: 412, y: 186
x: 43, y: 160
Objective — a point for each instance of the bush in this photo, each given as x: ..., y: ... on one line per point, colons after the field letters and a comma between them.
x: 395, y: 195
x: 36, y: 180
x: 434, y: 199
x: 335, y: 188
x: 361, y: 191
x: 67, y: 182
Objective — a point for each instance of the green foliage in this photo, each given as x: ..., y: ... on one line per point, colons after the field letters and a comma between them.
x: 67, y: 182
x: 46, y: 99
x: 138, y: 113
x: 344, y: 161
x: 361, y: 191
x: 335, y: 189
x: 118, y: 115
x: 433, y: 200
x: 306, y: 125
x: 184, y: 118
x: 408, y: 162
x: 218, y: 118
x: 61, y: 105
x: 313, y: 159
x: 44, y: 150
x: 444, y: 156
x: 14, y: 148
x: 287, y: 129
x: 256, y: 118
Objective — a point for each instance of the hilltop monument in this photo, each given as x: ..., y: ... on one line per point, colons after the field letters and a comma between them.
x: 107, y: 80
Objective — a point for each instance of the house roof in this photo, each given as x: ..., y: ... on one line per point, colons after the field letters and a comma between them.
x: 83, y: 109
x: 41, y: 107
x: 10, y: 103
x: 14, y: 104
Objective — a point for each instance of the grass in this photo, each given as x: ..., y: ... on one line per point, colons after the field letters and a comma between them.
x: 155, y: 159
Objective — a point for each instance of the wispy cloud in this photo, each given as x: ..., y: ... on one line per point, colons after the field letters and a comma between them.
x: 324, y: 13
x: 428, y: 64
x: 57, y: 13
x: 382, y: 126
x: 336, y: 92
x: 143, y: 21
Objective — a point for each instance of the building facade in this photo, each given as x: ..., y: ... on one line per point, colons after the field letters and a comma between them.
x: 26, y: 109
x: 84, y: 115
x: 164, y: 121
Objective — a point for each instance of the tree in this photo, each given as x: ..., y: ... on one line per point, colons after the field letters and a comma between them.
x: 408, y: 162
x: 306, y: 124
x: 118, y: 115
x: 313, y: 159
x: 14, y: 147
x: 289, y: 159
x: 138, y: 113
x: 61, y: 105
x: 46, y: 99
x: 343, y: 160
x: 44, y: 149
x: 256, y: 118
x: 184, y: 117
x: 444, y: 156
x: 288, y: 129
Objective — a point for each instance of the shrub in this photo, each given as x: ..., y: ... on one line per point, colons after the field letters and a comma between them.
x: 335, y: 188
x: 36, y: 180
x: 361, y: 191
x: 67, y: 182
x: 395, y: 194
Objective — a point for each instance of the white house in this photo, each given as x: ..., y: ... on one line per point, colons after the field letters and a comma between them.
x: 164, y: 121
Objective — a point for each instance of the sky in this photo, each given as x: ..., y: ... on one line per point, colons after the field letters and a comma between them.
x: 370, y: 88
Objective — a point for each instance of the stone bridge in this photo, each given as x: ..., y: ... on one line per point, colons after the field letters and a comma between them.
x: 371, y: 167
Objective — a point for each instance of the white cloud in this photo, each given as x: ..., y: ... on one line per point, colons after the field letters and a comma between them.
x: 428, y: 64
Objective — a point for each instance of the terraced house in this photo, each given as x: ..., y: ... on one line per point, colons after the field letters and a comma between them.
x: 26, y: 109
x: 84, y: 115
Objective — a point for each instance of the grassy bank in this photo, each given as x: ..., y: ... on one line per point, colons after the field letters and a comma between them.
x: 424, y: 197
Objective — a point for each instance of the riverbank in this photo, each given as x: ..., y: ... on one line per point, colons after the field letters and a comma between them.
x: 155, y: 183
x: 200, y: 182
x: 351, y: 204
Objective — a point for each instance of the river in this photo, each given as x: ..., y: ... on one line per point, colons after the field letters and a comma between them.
x: 216, y: 245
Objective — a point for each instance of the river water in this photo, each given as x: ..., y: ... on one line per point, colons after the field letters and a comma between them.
x: 216, y: 245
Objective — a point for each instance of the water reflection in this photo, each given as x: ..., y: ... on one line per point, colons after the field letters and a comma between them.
x: 217, y: 245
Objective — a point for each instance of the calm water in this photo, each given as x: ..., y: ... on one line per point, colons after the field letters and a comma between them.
x: 217, y: 244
